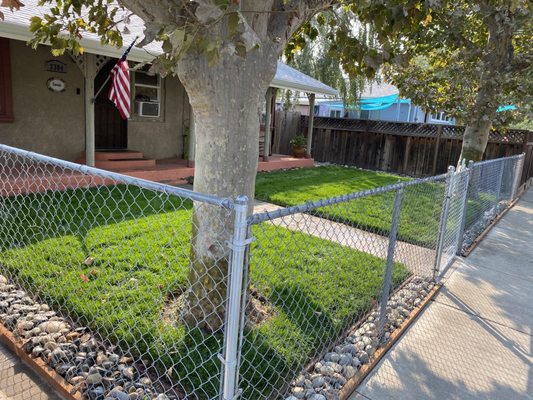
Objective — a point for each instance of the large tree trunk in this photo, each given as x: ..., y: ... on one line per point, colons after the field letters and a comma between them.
x: 226, y: 100
x: 475, y: 139
x: 497, y: 59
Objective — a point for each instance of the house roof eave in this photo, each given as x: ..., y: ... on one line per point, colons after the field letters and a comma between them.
x: 21, y: 32
x: 16, y: 26
x: 280, y: 84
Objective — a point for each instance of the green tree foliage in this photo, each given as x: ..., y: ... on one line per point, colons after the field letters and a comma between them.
x: 311, y: 52
x: 463, y: 57
x: 448, y: 61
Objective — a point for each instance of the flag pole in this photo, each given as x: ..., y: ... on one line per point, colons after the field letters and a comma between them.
x: 123, y: 57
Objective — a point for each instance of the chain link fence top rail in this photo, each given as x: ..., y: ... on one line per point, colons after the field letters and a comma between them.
x: 112, y: 256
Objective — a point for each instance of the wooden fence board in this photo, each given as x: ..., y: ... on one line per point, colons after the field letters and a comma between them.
x: 406, y: 148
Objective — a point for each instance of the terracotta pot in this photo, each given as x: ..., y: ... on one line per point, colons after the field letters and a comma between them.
x: 298, y: 151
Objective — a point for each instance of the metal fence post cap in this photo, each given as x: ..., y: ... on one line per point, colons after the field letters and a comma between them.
x: 242, y: 199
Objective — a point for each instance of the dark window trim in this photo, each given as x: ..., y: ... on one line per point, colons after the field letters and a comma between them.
x: 6, y: 94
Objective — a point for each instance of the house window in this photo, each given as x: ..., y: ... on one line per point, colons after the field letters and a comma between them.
x: 147, y: 95
x: 365, y: 114
x: 440, y: 118
x: 335, y: 113
x: 6, y: 100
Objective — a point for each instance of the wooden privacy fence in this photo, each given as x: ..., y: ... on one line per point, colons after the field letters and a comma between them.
x: 406, y: 148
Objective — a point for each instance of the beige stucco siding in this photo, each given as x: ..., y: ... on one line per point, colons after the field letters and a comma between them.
x: 54, y: 123
x: 45, y: 122
x: 163, y: 139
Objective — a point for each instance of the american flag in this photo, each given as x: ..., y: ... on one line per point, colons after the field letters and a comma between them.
x: 119, y: 93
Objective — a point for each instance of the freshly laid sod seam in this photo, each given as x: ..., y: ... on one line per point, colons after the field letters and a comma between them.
x: 114, y: 258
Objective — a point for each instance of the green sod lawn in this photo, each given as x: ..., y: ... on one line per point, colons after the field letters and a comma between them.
x: 420, y: 209
x: 139, y: 240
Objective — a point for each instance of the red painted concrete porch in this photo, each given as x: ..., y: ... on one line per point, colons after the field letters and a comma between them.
x: 175, y: 171
x: 41, y: 178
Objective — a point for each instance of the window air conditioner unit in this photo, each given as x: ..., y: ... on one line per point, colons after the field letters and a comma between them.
x: 147, y: 109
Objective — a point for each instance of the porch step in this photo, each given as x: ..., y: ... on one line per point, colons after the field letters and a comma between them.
x: 171, y: 174
x: 117, y: 155
x: 113, y: 160
x: 115, y: 164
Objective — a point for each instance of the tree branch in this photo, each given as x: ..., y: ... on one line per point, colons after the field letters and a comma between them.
x: 288, y: 16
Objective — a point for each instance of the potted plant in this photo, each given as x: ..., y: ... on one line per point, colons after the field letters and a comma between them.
x: 299, y: 146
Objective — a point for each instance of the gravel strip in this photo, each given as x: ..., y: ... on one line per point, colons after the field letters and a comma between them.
x: 475, y: 230
x: 330, y: 374
x: 99, y: 373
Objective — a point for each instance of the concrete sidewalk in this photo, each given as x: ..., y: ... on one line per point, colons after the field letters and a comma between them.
x: 474, y: 341
x: 19, y: 382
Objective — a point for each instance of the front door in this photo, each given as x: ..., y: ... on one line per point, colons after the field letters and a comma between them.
x: 111, y: 131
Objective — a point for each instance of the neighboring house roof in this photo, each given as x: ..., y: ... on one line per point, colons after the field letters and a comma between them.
x: 378, y: 90
x: 377, y: 96
x: 16, y: 26
x: 375, y: 93
x: 371, y: 103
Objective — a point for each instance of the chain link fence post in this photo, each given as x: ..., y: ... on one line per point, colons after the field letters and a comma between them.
x: 464, y: 208
x: 244, y: 290
x: 517, y: 175
x: 499, y: 181
x: 238, y: 246
x: 390, y: 260
x: 444, y: 219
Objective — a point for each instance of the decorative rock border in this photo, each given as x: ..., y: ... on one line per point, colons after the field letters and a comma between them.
x: 330, y: 375
x: 95, y: 373
x: 477, y: 229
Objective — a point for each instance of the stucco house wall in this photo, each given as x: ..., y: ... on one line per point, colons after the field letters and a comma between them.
x: 54, y: 123
x: 163, y: 138
x: 44, y: 121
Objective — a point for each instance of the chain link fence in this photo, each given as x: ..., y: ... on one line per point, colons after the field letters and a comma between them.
x: 492, y: 185
x: 129, y: 287
x: 118, y: 284
x: 348, y: 271
x: 336, y: 261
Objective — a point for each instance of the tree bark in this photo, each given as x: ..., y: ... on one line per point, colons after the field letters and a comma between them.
x: 496, y: 61
x: 226, y: 101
